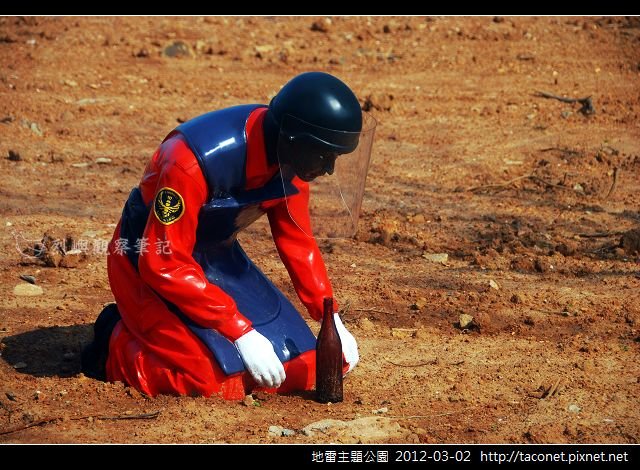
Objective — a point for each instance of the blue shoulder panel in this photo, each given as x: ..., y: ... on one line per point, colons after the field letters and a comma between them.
x: 219, y: 142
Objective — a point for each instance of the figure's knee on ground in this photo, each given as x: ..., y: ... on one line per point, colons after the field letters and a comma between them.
x: 154, y: 371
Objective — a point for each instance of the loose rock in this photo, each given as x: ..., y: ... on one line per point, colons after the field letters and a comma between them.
x: 28, y: 278
x: 14, y: 156
x: 363, y: 430
x: 466, y: 321
x: 27, y: 290
x: 436, y: 257
x: 630, y: 242
x: 279, y: 431
x: 403, y: 332
x: 177, y: 49
x: 365, y: 324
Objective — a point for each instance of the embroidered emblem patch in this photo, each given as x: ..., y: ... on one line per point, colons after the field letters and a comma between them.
x: 168, y: 206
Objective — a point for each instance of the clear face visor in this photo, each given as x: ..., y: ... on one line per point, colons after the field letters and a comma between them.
x: 334, y: 164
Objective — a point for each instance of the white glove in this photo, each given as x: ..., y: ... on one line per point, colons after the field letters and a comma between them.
x: 260, y: 359
x: 349, y: 345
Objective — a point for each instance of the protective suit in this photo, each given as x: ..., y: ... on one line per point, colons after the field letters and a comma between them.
x: 193, y: 314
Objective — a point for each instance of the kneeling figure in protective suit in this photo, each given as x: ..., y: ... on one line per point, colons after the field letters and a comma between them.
x: 193, y: 314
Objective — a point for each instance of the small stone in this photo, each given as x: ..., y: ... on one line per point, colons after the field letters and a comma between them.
x: 86, y: 101
x: 353, y: 265
x: 573, y: 408
x: 103, y: 160
x: 379, y: 101
x: 265, y: 48
x: 566, y: 114
x: 279, y: 431
x: 380, y: 411
x: 38, y: 395
x: 365, y: 324
x: 14, y: 156
x: 403, y: 332
x: 133, y: 393
x: 11, y: 396
x: 321, y: 426
x: 578, y: 188
x: 320, y: 26
x: 523, y: 263
x: 515, y: 298
x: 567, y: 248
x: 541, y: 266
x: 418, y: 219
x: 80, y: 165
x: 248, y: 400
x: 52, y: 256
x: 466, y: 321
x: 28, y: 278
x: 419, y: 304
x: 436, y: 257
x: 67, y: 116
x: 177, y: 49
x: 630, y: 242
x: 493, y: 284
x: 71, y: 83
x: 20, y: 365
x: 142, y: 53
x: 27, y: 290
x: 36, y: 129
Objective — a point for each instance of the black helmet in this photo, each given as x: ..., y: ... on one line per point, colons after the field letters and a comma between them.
x: 318, y: 118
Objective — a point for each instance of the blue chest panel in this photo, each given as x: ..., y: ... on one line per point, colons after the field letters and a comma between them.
x: 219, y: 141
x: 222, y: 218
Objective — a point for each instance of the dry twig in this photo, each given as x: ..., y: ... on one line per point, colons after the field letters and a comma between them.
x: 434, y: 415
x: 430, y: 362
x: 375, y: 310
x: 613, y: 183
x: 43, y: 421
x: 561, y: 150
x: 505, y: 185
x: 600, y: 234
x: 553, y: 389
x: 587, y: 105
x: 546, y: 392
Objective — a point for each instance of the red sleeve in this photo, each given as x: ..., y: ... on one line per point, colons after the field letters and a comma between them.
x: 299, y: 252
x: 167, y: 264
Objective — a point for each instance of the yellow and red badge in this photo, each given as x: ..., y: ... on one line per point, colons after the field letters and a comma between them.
x: 168, y: 206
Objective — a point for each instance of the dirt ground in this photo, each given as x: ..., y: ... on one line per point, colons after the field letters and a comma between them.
x: 533, y: 201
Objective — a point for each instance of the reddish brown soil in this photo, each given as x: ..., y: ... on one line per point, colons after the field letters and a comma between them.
x: 459, y: 132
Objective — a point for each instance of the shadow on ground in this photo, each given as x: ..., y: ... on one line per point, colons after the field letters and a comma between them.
x: 48, y: 352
